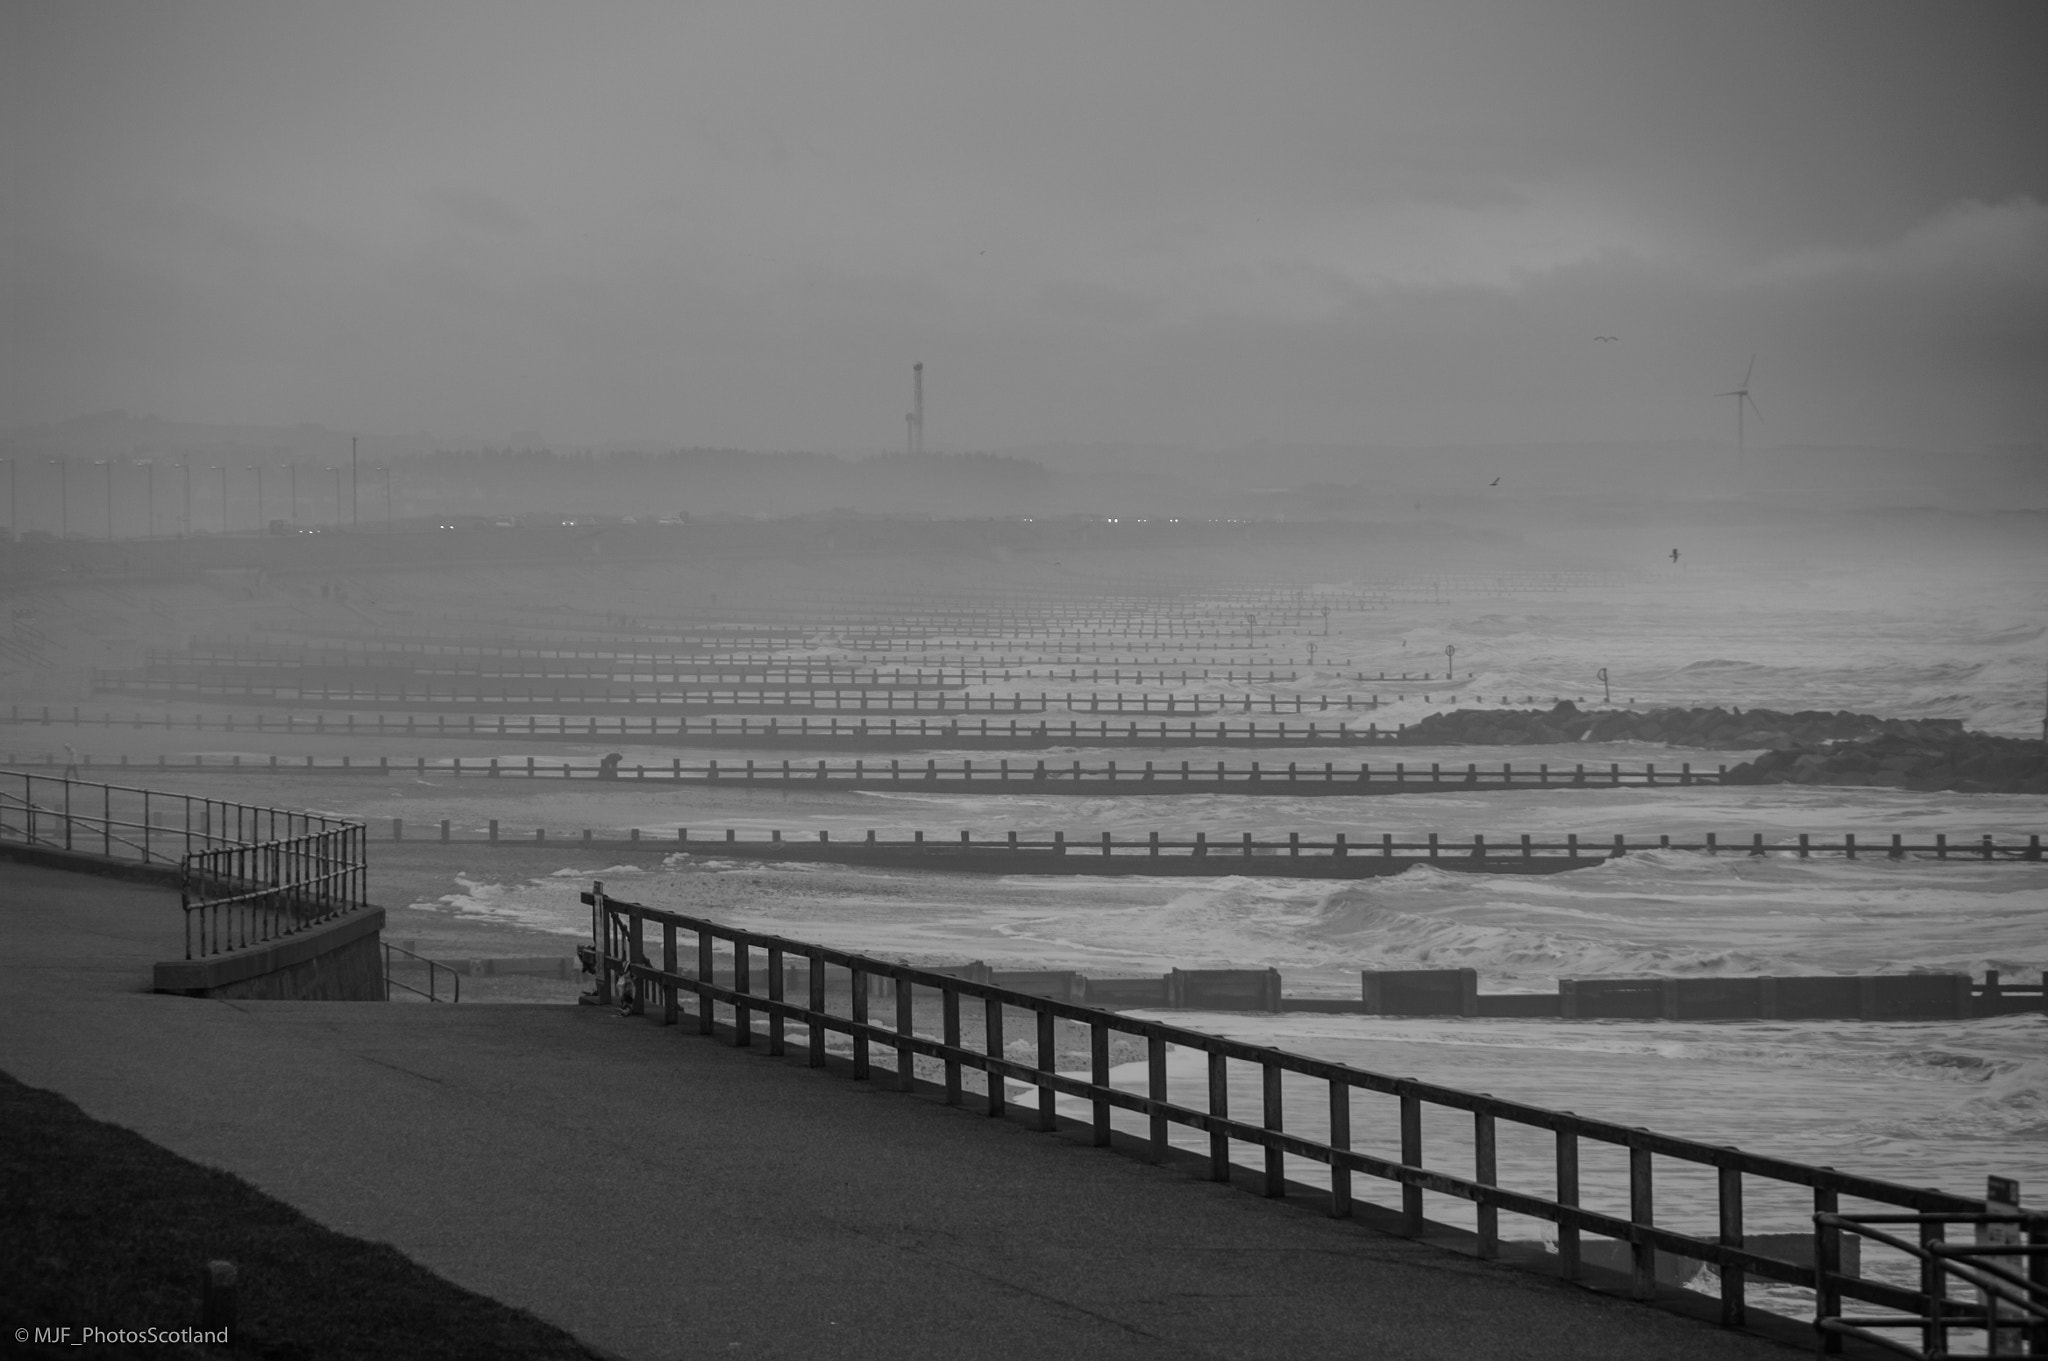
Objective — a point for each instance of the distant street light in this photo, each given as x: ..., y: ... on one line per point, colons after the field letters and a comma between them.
x: 337, y: 494
x: 186, y: 465
x: 221, y: 468
x: 12, y: 533
x: 261, y: 522
x: 387, y: 496
x: 63, y: 466
x: 108, y: 464
x: 148, y: 466
x: 293, y: 470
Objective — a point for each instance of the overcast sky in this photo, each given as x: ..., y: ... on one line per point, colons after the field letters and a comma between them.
x: 739, y: 224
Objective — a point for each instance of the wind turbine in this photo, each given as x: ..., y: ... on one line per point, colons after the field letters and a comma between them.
x: 1742, y: 398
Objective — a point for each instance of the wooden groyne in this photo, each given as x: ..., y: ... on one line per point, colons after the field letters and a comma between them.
x: 1455, y: 993
x: 965, y: 777
x: 1337, y: 855
x: 742, y: 731
x: 1808, y: 997
x: 681, y: 699
x: 230, y: 664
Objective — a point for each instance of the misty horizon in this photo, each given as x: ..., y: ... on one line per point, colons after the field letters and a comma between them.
x: 1399, y: 226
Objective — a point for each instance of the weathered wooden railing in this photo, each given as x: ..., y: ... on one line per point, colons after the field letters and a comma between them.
x: 247, y: 873
x: 641, y: 961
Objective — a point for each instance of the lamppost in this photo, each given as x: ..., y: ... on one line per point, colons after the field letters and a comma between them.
x: 387, y: 496
x: 355, y: 496
x: 261, y: 523
x: 293, y: 470
x: 63, y: 497
x: 221, y: 468
x: 337, y: 494
x: 148, y: 466
x: 108, y: 464
x: 11, y: 531
x: 186, y: 466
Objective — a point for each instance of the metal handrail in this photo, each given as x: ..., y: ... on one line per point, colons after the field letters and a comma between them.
x: 128, y: 821
x: 434, y: 968
x: 235, y: 896
x: 624, y: 968
x: 247, y: 873
x: 2011, y: 1308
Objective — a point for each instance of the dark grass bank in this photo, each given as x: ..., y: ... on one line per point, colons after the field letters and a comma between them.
x: 104, y: 1229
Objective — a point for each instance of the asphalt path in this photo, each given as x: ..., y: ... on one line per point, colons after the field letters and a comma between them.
x: 661, y: 1194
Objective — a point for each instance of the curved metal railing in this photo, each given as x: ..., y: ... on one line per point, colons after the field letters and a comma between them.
x: 247, y: 873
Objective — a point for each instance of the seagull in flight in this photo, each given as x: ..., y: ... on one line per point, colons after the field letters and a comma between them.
x: 1606, y: 337
x: 1494, y: 483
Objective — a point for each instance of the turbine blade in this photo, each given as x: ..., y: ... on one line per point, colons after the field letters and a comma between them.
x: 1752, y: 406
x: 1748, y: 371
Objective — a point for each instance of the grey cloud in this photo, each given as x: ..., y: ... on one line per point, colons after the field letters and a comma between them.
x: 475, y: 210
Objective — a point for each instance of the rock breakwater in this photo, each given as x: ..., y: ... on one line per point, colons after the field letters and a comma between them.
x: 1966, y: 763
x: 1722, y: 729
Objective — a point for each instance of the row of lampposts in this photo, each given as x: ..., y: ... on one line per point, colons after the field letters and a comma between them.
x: 63, y: 466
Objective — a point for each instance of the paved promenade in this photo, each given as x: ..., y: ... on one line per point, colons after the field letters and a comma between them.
x: 661, y: 1195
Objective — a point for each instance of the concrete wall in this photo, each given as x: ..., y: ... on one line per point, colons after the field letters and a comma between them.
x: 1118, y: 993
x: 1224, y: 989
x: 1869, y: 997
x: 1421, y: 992
x: 339, y: 961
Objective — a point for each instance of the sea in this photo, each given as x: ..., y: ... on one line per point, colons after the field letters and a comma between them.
x: 1939, y: 620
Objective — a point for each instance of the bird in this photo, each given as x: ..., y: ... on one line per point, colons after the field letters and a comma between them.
x: 1494, y: 483
x: 1606, y: 337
